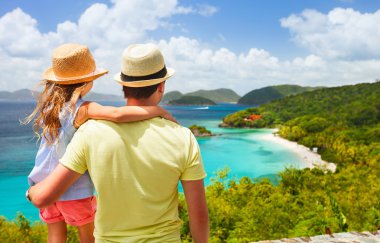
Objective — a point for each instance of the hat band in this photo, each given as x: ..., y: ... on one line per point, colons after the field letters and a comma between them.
x: 160, y: 74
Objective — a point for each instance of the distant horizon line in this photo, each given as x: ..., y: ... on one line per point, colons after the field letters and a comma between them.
x: 185, y: 92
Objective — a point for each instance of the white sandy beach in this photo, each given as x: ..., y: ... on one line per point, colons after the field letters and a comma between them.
x: 311, y: 159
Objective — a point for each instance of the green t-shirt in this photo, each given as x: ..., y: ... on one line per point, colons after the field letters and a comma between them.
x: 135, y: 168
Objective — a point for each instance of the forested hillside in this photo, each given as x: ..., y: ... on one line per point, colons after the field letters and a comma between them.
x: 267, y: 94
x: 344, y: 123
x: 333, y: 119
x: 192, y: 100
x: 216, y: 95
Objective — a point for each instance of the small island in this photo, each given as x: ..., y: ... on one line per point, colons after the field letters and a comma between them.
x: 192, y: 100
x: 217, y: 95
x: 200, y: 131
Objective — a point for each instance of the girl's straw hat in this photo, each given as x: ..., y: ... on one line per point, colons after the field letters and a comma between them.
x: 71, y: 64
x: 142, y: 65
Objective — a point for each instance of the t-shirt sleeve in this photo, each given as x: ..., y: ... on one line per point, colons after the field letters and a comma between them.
x: 75, y: 155
x: 194, y: 169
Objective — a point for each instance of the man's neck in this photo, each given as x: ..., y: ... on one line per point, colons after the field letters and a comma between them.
x: 140, y: 102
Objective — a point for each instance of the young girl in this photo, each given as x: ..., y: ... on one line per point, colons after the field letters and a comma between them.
x: 59, y: 112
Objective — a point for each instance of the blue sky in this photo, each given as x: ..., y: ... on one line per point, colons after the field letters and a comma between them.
x: 240, y: 45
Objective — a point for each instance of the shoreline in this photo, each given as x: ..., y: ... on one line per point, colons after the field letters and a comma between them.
x: 311, y: 159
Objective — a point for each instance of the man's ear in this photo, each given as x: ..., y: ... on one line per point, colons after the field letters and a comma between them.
x: 161, y: 87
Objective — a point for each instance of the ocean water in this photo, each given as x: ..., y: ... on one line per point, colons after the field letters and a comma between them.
x: 241, y: 150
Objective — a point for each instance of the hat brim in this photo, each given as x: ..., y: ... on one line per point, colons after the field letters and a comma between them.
x: 143, y: 83
x: 50, y: 76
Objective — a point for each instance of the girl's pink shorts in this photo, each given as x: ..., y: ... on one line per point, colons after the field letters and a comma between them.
x: 74, y: 212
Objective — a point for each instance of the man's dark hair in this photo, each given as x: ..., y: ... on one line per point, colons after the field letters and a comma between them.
x: 139, y: 93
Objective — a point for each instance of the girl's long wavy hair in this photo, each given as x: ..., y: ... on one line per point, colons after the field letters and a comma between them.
x: 49, y: 105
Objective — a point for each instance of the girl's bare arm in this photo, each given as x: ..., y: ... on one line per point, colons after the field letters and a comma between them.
x: 92, y: 110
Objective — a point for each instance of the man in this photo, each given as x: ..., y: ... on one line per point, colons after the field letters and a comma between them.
x: 135, y: 167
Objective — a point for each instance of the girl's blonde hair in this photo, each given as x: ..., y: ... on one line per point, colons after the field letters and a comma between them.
x: 50, y: 103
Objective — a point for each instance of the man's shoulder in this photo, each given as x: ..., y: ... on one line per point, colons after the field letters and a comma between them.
x: 91, y: 125
x: 169, y: 125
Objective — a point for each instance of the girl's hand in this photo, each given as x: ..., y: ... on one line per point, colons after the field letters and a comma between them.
x: 166, y: 115
x: 82, y: 115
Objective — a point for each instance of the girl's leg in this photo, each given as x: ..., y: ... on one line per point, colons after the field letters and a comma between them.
x: 86, y: 233
x: 80, y: 213
x: 57, y: 232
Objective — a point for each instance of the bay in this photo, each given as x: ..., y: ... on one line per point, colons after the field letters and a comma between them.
x: 239, y: 150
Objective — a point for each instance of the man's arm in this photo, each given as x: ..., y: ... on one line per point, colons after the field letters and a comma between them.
x: 52, y: 187
x: 197, y: 209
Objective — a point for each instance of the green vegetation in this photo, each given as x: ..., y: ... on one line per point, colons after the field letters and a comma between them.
x: 217, y: 95
x: 267, y: 94
x: 241, y: 119
x: 21, y: 230
x: 200, y: 131
x: 304, y: 203
x: 192, y: 100
x: 343, y: 122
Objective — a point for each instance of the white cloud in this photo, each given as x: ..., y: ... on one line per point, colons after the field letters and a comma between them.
x: 206, y: 10
x: 341, y: 34
x: 107, y: 30
x: 201, y: 9
x: 199, y: 67
x: 184, y: 10
x: 19, y: 36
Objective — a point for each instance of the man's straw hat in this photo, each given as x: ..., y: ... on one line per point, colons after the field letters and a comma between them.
x: 71, y: 64
x: 142, y: 65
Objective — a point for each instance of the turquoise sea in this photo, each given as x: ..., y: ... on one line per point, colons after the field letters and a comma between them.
x: 238, y: 149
